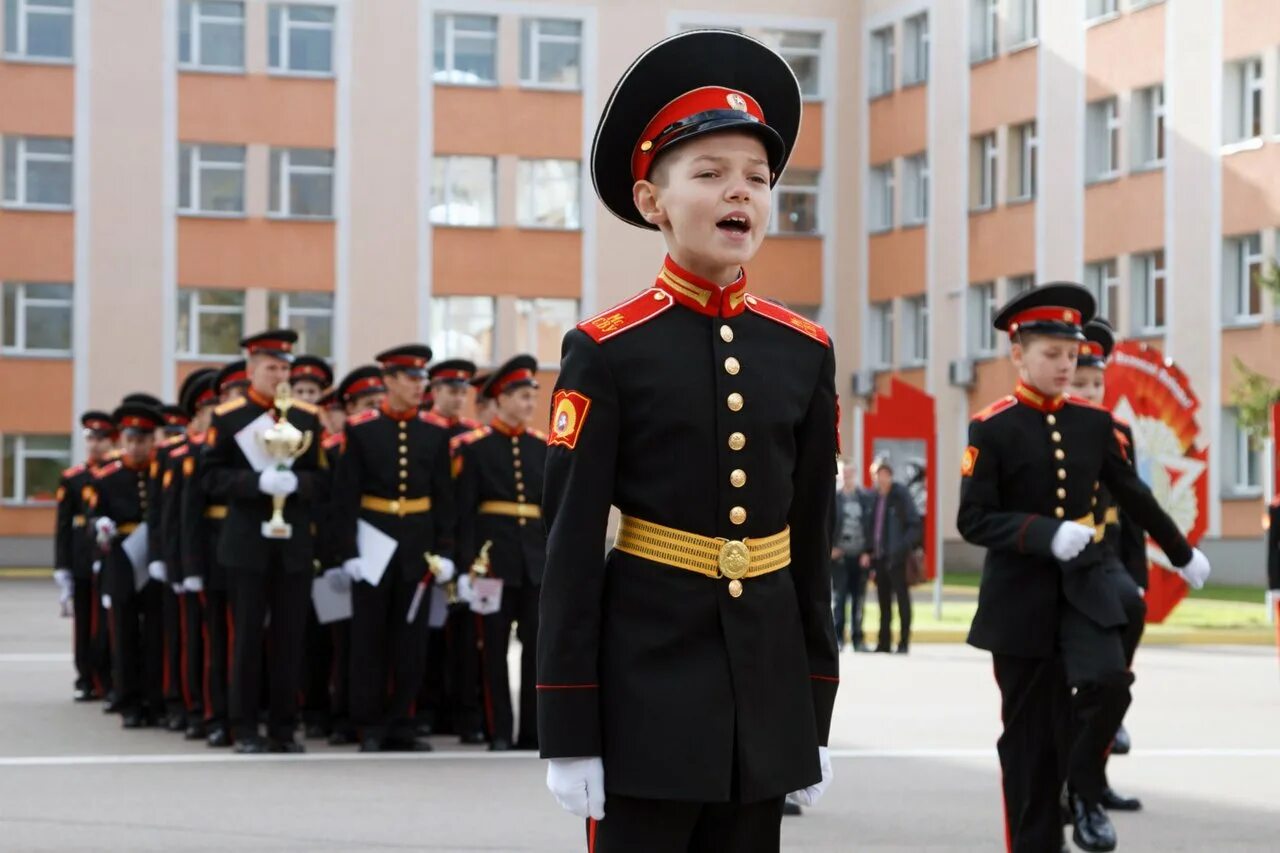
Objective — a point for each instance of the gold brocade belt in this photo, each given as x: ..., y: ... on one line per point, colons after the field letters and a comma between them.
x: 400, y: 507
x: 713, y: 557
x: 78, y: 521
x: 215, y: 511
x: 511, y: 508
x: 126, y: 528
x: 1099, y: 530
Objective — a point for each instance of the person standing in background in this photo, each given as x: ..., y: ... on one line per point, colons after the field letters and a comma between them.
x: 848, y: 574
x: 891, y: 527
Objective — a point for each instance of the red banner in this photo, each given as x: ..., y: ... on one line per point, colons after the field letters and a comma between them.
x: 1154, y: 396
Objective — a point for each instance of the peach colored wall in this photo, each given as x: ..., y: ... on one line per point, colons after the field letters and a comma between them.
x: 1127, y: 53
x: 500, y: 261
x: 1125, y: 215
x: 37, y: 99
x: 1258, y: 348
x: 278, y: 111
x: 508, y: 121
x: 37, y: 246
x: 1249, y: 27
x: 1003, y: 91
x: 807, y: 153
x: 44, y: 387
x: 896, y: 264
x: 1242, y: 519
x: 914, y: 377
x: 281, y: 255
x: 1251, y: 190
x: 993, y: 379
x: 898, y: 124
x: 1002, y: 242
x: 788, y: 268
x: 26, y: 521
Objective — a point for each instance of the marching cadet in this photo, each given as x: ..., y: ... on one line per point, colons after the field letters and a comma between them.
x: 1031, y: 479
x: 393, y: 475
x: 483, y: 405
x: 120, y: 499
x: 204, y: 576
x: 333, y: 413
x: 308, y: 377
x: 161, y: 508
x: 690, y: 673
x: 500, y: 472
x: 74, y: 557
x: 1124, y: 543
x: 269, y: 565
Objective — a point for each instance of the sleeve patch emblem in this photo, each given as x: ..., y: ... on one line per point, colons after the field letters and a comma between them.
x: 969, y: 461
x: 570, y: 414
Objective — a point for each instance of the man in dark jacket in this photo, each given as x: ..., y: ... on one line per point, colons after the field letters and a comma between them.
x: 891, y: 530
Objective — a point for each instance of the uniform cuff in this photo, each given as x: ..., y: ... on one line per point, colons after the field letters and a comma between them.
x: 569, y: 720
x: 824, y: 700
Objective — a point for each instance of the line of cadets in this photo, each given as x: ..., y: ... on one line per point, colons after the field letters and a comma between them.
x: 221, y: 632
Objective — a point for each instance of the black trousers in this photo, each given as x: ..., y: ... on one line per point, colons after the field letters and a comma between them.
x: 387, y: 655
x: 216, y: 633
x: 82, y: 594
x: 435, y: 701
x: 286, y: 596
x: 100, y: 640
x: 137, y: 627
x: 340, y: 697
x: 891, y: 582
x: 318, y: 665
x: 849, y: 594
x: 634, y: 825
x: 191, y: 615
x: 173, y: 702
x: 462, y: 682
x: 519, y: 605
x: 1135, y: 609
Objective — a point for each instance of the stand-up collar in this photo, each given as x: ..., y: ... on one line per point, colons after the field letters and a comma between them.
x: 1029, y: 396
x: 405, y: 415
x: 261, y: 399
x: 499, y: 425
x: 694, y: 292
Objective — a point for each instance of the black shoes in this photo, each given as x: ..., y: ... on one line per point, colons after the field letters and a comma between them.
x: 219, y: 737
x: 406, y: 744
x: 288, y: 745
x: 341, y: 737
x: 1113, y: 802
x: 1092, y: 828
x: 472, y: 738
x: 882, y: 650
x: 83, y: 694
x: 371, y: 744
x: 252, y: 746
x: 500, y: 745
x: 1122, y: 744
x: 316, y: 731
x: 524, y: 745
x: 175, y: 723
x: 134, y: 720
x: 195, y: 731
x: 902, y: 649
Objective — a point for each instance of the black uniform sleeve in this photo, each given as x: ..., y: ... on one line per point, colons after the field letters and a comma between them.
x: 62, y: 524
x: 444, y: 509
x: 577, y: 493
x: 1133, y: 496
x: 981, y: 519
x: 467, y: 495
x: 193, y: 503
x: 814, y: 484
x: 345, y: 499
x: 155, y: 504
x: 170, y: 516
x: 1273, y: 548
x: 221, y: 478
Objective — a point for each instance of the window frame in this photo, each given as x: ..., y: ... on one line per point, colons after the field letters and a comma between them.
x: 1109, y: 9
x: 1102, y: 278
x: 1020, y: 12
x: 1152, y: 294
x: 284, y: 313
x: 20, y: 457
x: 882, y: 55
x: 985, y: 14
x: 21, y: 303
x: 915, y: 189
x: 531, y: 329
x: 1107, y: 122
x: 1246, y: 461
x: 915, y: 49
x: 22, y: 10
x: 981, y: 312
x: 287, y: 169
x: 787, y: 52
x: 782, y: 187
x: 193, y: 150
x: 535, y: 39
x: 446, y: 186
x: 1250, y: 88
x: 527, y: 192
x: 1246, y: 264
x: 988, y: 169
x: 22, y: 157
x: 915, y: 330
x: 195, y: 311
x: 1150, y: 148
x: 881, y: 184
x: 448, y: 20
x: 442, y: 325
x: 1028, y: 135
x: 286, y: 24
x: 197, y: 18
x: 880, y: 336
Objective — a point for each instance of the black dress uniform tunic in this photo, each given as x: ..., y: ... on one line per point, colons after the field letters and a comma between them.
x: 711, y: 412
x: 161, y: 511
x: 73, y: 551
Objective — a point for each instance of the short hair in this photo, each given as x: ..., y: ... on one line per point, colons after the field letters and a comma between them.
x: 881, y: 464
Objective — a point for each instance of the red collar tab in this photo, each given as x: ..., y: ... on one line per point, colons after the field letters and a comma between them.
x: 1030, y: 397
x: 1045, y: 314
x: 233, y: 379
x: 521, y: 375
x: 1091, y: 350
x: 698, y: 294
x: 261, y: 399
x: 677, y: 114
x: 269, y: 345
x: 499, y: 425
x: 406, y: 415
x: 412, y: 362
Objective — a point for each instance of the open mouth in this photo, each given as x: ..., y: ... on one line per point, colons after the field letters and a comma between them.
x: 734, y: 224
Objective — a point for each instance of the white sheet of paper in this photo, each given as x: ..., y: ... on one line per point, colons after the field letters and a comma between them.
x: 439, y: 607
x: 135, y: 548
x: 486, y: 596
x: 331, y: 604
x: 376, y: 549
x: 251, y: 447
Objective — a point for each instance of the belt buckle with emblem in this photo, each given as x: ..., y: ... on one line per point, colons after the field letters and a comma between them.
x: 734, y: 562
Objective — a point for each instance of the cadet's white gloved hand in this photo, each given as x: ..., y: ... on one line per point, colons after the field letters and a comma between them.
x: 1070, y: 540
x: 195, y: 583
x: 809, y: 796
x: 464, y: 588
x: 97, y: 566
x: 156, y: 569
x: 277, y: 482
x: 354, y: 569
x: 578, y: 785
x: 447, y: 570
x: 104, y: 529
x: 1197, y: 571
x: 106, y: 601
x: 178, y: 589
x: 66, y: 586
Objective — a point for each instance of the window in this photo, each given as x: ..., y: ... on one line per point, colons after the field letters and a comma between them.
x: 915, y: 329
x: 463, y: 191
x: 37, y: 319
x: 880, y: 207
x: 210, y: 322
x: 1024, y: 24
x: 982, y: 312
x: 881, y: 71
x: 984, y: 29
x: 1242, y: 100
x: 915, y: 49
x: 32, y: 467
x: 466, y: 50
x: 984, y: 159
x: 211, y: 34
x: 881, y: 316
x: 1025, y: 146
x: 803, y: 52
x: 1102, y: 140
x: 551, y: 53
x: 38, y: 29
x: 915, y: 189
x: 308, y: 314
x: 1148, y: 130
x: 1019, y: 285
x: 1102, y: 278
x: 795, y: 203
x: 1100, y: 8
x: 462, y: 327
x: 300, y: 38
x: 210, y: 178
x: 541, y: 325
x: 548, y: 194
x: 1243, y: 463
x: 37, y: 172
x: 1148, y: 274
x: 1241, y: 284
x: 301, y: 182
x: 1251, y: 106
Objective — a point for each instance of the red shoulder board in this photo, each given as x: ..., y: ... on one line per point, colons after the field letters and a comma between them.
x: 788, y: 318
x: 996, y: 408
x: 538, y: 434
x: 73, y: 470
x: 332, y: 440
x: 467, y: 438
x: 434, y: 419
x: 363, y: 417
x: 179, y: 452
x: 643, y: 306
x: 108, y: 469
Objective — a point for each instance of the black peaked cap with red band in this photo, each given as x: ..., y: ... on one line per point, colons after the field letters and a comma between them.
x: 233, y: 373
x: 143, y: 398
x: 409, y: 358
x: 311, y: 368
x: 1095, y: 351
x: 99, y: 423
x: 1059, y: 310
x: 175, y: 417
x: 198, y: 375
x: 456, y: 371
x: 278, y: 343
x: 363, y: 380
x: 519, y: 372
x: 199, y: 392
x: 137, y: 417
x: 686, y: 86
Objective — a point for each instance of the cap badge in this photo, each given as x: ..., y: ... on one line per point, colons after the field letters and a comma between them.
x: 736, y: 101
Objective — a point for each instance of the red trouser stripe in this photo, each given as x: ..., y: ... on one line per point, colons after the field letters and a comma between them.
x: 592, y: 824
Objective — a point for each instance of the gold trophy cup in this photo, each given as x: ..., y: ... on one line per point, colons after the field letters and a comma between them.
x: 284, y: 443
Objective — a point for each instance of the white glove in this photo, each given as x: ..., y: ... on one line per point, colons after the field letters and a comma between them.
x: 66, y: 586
x: 809, y: 796
x: 193, y: 584
x: 339, y: 582
x: 97, y: 566
x: 178, y: 589
x: 354, y: 569
x: 464, y: 589
x: 578, y: 785
x: 1197, y: 571
x: 277, y: 482
x: 104, y: 529
x: 106, y: 601
x: 156, y: 569
x: 1070, y: 540
x: 447, y: 570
